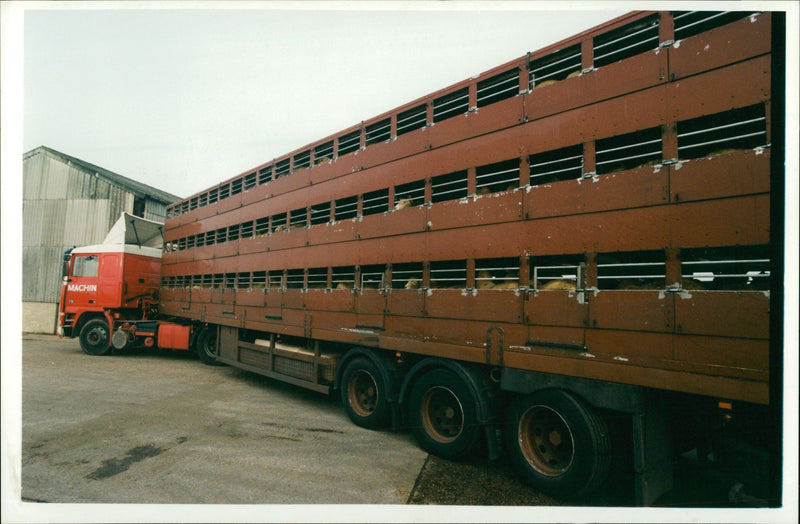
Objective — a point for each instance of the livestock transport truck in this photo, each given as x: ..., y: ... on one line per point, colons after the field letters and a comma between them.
x: 575, y: 241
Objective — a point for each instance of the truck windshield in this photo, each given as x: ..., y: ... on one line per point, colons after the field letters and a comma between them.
x: 85, y: 266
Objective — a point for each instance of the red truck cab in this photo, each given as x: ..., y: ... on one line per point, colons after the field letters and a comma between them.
x: 104, y: 283
x: 109, y: 283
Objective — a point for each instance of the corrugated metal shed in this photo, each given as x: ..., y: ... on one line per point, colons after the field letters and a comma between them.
x: 69, y: 202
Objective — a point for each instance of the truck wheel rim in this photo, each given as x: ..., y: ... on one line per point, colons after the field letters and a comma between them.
x: 362, y: 393
x: 209, y: 346
x: 442, y: 414
x: 96, y: 336
x: 546, y: 441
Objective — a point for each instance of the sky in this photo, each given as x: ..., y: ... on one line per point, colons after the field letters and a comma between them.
x: 184, y: 99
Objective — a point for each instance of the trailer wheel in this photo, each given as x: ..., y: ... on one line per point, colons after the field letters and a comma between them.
x: 94, y: 337
x: 557, y: 444
x: 443, y: 414
x: 364, y: 394
x: 206, y: 347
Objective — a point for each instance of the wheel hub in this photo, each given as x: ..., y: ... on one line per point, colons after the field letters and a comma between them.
x: 546, y: 441
x: 442, y: 414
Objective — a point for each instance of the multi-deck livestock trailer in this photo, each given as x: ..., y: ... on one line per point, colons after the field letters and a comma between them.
x: 576, y: 237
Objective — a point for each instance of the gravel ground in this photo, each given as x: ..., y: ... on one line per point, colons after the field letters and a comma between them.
x: 473, y: 482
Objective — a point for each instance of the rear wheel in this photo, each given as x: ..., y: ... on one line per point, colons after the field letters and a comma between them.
x: 206, y: 346
x: 558, y: 444
x: 444, y: 414
x: 94, y: 337
x: 364, y: 394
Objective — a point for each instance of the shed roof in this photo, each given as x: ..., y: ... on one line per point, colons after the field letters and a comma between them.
x: 131, y: 185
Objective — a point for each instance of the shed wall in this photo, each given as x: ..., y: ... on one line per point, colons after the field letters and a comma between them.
x: 64, y: 205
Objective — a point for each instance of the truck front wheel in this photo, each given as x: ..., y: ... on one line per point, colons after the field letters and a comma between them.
x: 94, y: 337
x: 206, y: 346
x: 557, y: 444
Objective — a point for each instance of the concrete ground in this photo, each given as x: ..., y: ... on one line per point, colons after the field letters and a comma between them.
x: 159, y: 427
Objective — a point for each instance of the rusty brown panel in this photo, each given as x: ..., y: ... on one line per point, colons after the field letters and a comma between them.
x: 166, y: 295
x: 625, y: 230
x: 169, y: 260
x: 370, y: 301
x: 273, y: 299
x: 401, y: 221
x: 341, y: 254
x: 217, y: 296
x: 723, y: 313
x: 182, y: 257
x: 256, y: 194
x: 293, y: 299
x: 721, y: 46
x: 250, y: 297
x: 572, y: 336
x: 247, y: 246
x: 287, y: 239
x: 479, y: 305
x: 506, y: 113
x: 629, y: 75
x: 635, y: 348
x: 738, y: 85
x: 504, y: 206
x: 635, y: 310
x: 335, y: 300
x: 734, y: 221
x: 736, y: 173
x: 180, y: 220
x: 348, y: 184
x: 341, y: 231
x: 625, y: 114
x: 201, y: 213
x: 226, y: 249
x: 340, y: 321
x: 229, y: 204
x: 396, y: 249
x: 223, y: 265
x: 352, y: 337
x: 420, y: 346
x: 221, y: 314
x: 488, y: 241
x: 290, y: 182
x: 538, y: 135
x: 329, y: 169
x: 644, y: 186
x: 211, y: 223
x: 366, y: 323
x: 461, y: 333
x: 408, y: 327
x: 402, y: 303
x: 203, y: 253
x: 200, y: 296
x: 185, y: 230
x: 405, y: 145
x: 486, y: 149
x: 734, y: 354
x: 624, y: 373
x: 556, y: 308
x: 293, y: 316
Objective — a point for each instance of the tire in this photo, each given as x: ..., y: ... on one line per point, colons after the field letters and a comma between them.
x: 443, y: 415
x: 364, y: 394
x: 94, y: 337
x: 206, y: 347
x: 557, y: 444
